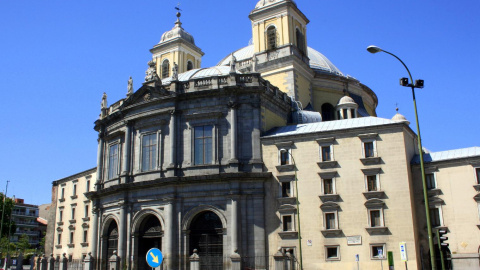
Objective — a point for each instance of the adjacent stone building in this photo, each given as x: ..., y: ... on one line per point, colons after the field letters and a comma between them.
x: 69, y: 225
x: 214, y: 165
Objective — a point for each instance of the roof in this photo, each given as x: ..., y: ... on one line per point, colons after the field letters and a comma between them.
x: 200, y: 73
x: 328, y: 126
x: 318, y: 61
x: 42, y: 221
x: 448, y: 155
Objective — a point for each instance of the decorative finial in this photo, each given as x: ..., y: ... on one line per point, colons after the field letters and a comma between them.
x: 396, y: 107
x: 151, y: 73
x: 178, y: 12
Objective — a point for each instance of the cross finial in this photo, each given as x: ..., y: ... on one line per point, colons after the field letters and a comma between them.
x: 178, y: 7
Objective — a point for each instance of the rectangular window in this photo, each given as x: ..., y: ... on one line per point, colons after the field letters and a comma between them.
x: 377, y: 251
x: 88, y: 186
x: 372, y: 183
x: 345, y: 114
x: 287, y: 223
x: 63, y: 194
x: 203, y: 144
x: 352, y: 111
x: 86, y: 210
x: 328, y: 186
x: 369, y: 150
x: 430, y: 179
x: 149, y: 152
x: 435, y: 217
x: 326, y: 153
x: 330, y: 221
x: 477, y: 173
x: 73, y: 213
x: 71, y: 237
x: 375, y: 218
x: 59, y: 239
x: 85, y: 236
x: 113, y: 161
x: 332, y: 253
x: 286, y: 189
x: 74, y: 189
x: 285, y: 157
x: 60, y: 216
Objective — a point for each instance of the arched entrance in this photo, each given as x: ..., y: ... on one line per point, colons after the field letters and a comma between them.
x: 206, y: 235
x: 150, y: 236
x: 111, y: 243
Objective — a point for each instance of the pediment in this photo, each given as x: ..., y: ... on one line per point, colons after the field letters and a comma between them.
x: 145, y: 94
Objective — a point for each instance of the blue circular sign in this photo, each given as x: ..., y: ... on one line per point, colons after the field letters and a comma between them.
x: 154, y: 257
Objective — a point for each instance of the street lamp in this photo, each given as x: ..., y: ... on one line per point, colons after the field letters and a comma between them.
x: 283, y: 150
x: 418, y: 84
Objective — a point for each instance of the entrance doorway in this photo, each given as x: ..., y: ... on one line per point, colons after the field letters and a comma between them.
x: 206, y: 235
x: 111, y: 243
x: 150, y: 236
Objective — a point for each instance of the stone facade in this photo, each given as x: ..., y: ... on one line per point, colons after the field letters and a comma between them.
x: 202, y: 163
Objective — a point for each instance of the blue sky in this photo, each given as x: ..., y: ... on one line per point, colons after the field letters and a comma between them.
x: 58, y: 57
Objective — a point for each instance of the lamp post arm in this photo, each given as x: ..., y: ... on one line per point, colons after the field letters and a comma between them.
x: 409, y: 74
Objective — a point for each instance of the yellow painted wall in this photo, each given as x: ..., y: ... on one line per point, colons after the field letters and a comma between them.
x: 169, y: 57
x: 271, y: 120
x: 278, y: 80
x: 303, y: 87
x: 321, y: 96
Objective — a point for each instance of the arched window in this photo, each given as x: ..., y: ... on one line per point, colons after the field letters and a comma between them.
x: 328, y: 112
x: 189, y: 65
x: 300, y: 40
x: 165, y: 69
x: 271, y: 37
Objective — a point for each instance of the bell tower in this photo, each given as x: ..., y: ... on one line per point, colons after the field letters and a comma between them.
x: 279, y: 32
x: 178, y: 47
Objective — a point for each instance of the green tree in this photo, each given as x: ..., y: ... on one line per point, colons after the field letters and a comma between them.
x: 23, y: 242
x: 7, y: 218
x: 4, y: 245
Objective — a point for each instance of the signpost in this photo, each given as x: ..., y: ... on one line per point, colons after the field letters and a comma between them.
x: 403, y: 253
x: 154, y: 257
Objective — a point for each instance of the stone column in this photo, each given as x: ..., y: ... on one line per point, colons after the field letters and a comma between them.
x: 233, y: 129
x: 128, y: 255
x: 127, y: 153
x: 89, y: 262
x: 169, y: 234
x: 63, y: 262
x: 99, y: 160
x: 173, y: 157
x: 113, y: 262
x: 234, y: 223
x: 20, y: 261
x: 94, y: 237
x: 236, y: 261
x: 194, y: 261
x: 50, y: 262
x: 122, y: 235
x: 256, y: 147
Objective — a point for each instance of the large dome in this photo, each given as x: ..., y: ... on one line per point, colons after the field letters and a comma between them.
x: 318, y: 61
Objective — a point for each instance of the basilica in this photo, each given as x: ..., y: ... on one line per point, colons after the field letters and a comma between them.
x: 272, y: 159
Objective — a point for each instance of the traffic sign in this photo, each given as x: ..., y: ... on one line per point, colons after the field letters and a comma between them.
x: 154, y: 257
x: 403, y: 251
